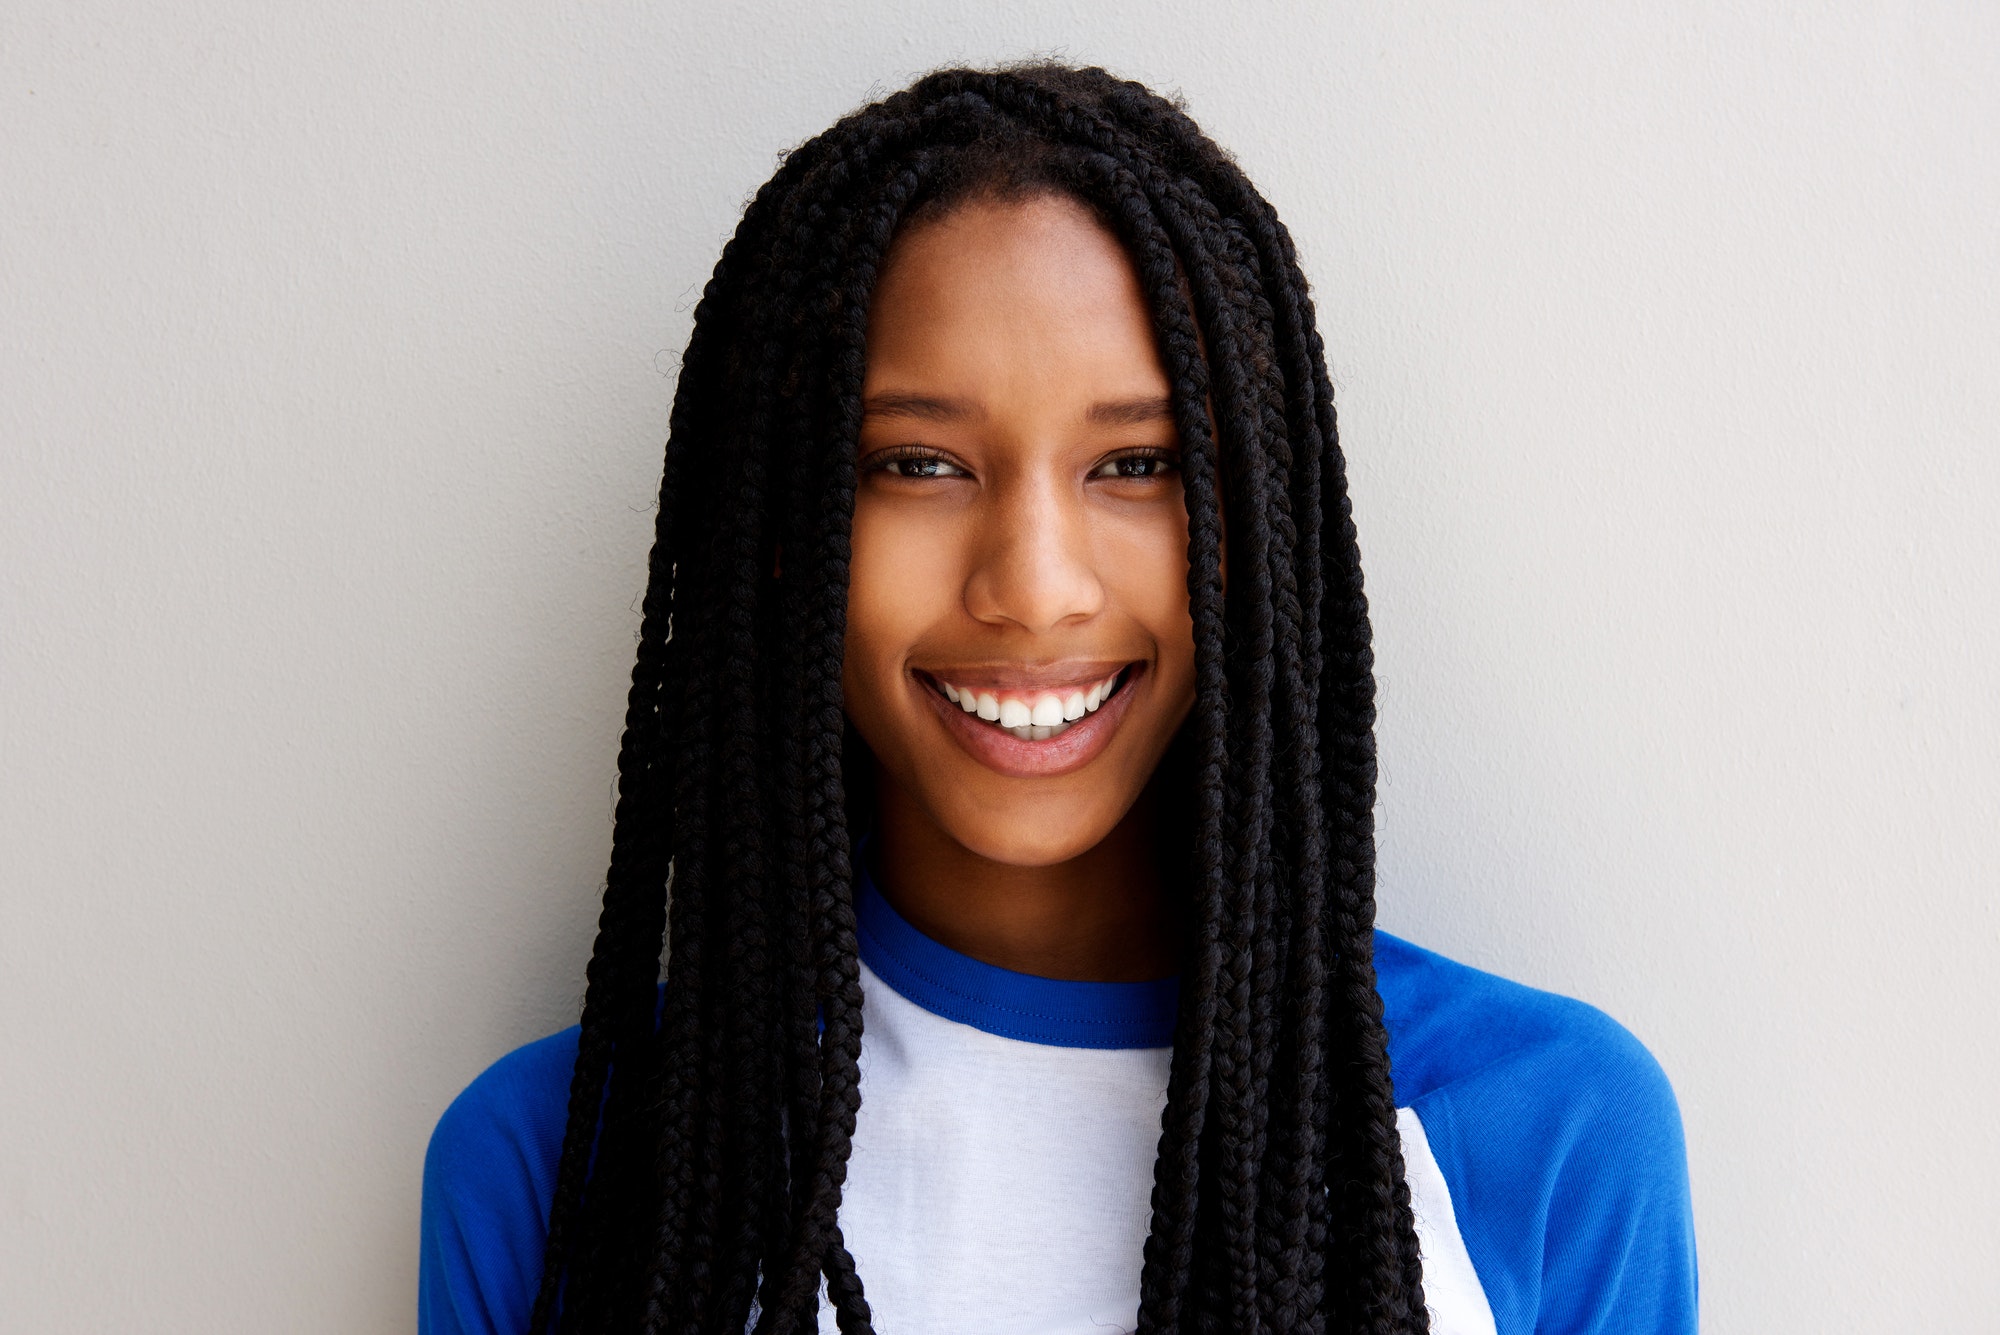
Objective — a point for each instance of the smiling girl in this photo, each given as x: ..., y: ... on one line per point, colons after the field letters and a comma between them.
x: 1002, y: 726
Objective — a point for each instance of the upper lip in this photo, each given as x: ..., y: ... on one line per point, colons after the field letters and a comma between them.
x: 1069, y: 674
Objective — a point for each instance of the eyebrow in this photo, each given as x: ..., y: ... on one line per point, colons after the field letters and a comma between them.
x: 922, y: 407
x: 1130, y: 412
x: 928, y: 408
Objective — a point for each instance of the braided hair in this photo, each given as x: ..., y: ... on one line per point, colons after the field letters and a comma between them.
x: 710, y: 1120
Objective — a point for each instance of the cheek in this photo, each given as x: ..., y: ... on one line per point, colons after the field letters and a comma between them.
x: 1144, y: 566
x: 872, y: 613
x: 896, y: 580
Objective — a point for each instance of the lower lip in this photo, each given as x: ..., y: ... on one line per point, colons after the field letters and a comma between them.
x: 1070, y: 750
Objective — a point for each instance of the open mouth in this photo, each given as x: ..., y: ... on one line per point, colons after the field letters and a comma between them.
x: 1031, y: 716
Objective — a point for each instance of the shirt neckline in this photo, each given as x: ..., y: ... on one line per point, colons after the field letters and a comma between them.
x: 1056, y: 1012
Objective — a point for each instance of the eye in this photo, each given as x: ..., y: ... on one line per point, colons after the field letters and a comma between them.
x: 913, y: 461
x: 1138, y: 465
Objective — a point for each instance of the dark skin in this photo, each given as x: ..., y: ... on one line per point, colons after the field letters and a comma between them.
x: 1020, y: 541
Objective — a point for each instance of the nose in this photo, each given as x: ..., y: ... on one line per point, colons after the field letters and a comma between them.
x: 1033, y: 561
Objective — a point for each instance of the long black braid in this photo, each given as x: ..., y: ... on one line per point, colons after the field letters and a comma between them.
x: 710, y: 1124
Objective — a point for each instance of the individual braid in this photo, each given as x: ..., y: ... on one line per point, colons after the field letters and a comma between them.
x: 709, y: 1130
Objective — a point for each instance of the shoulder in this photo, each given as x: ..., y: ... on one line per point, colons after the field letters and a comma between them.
x: 1450, y: 1025
x: 489, y: 1176
x: 519, y: 1103
x: 1560, y: 1139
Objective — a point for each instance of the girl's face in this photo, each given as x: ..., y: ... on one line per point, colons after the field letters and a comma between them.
x: 1020, y: 535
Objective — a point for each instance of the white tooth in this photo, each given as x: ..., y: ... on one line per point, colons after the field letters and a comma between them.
x: 951, y: 692
x: 1025, y: 733
x: 1048, y: 710
x: 1093, y: 697
x: 989, y: 708
x: 1073, y: 708
x: 1014, y: 714
x: 1040, y: 732
x: 968, y: 701
x: 1110, y: 685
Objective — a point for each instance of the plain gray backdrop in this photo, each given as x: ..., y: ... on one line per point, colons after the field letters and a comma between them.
x: 336, y: 348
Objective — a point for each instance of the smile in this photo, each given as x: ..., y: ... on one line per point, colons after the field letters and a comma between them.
x: 1035, y: 716
x: 1029, y: 729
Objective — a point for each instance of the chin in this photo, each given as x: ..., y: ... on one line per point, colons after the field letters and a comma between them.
x: 1024, y: 841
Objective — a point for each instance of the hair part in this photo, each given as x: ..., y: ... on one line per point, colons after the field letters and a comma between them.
x: 711, y: 1118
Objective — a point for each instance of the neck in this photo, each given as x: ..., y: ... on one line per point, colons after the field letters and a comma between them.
x: 1101, y: 916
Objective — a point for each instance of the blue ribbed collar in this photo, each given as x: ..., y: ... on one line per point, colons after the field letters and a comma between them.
x: 1058, y: 1012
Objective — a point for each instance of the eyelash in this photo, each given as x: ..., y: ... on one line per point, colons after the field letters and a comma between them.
x: 1166, y: 460
x: 886, y: 461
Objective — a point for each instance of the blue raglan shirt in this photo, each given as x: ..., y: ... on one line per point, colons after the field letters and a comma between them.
x: 1555, y: 1133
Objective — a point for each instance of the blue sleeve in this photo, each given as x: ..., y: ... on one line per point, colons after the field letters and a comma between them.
x: 1560, y: 1141
x: 489, y: 1176
x: 1569, y: 1175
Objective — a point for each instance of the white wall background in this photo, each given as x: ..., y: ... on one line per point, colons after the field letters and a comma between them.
x: 336, y: 346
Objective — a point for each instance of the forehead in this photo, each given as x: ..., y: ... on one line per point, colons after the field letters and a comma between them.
x: 1012, y: 302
